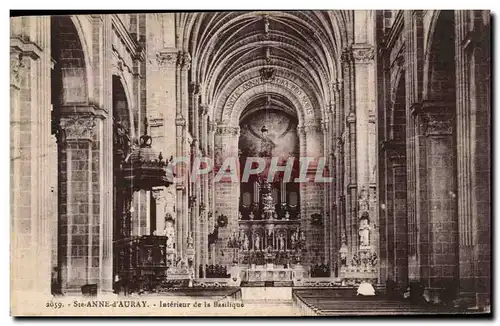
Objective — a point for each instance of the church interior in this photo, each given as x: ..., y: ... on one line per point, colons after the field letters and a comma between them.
x: 394, y: 104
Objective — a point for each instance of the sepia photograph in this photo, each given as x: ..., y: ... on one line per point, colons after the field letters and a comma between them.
x: 251, y: 163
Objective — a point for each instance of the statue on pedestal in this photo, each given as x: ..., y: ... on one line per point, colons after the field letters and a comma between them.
x: 170, y: 233
x: 270, y: 234
x: 257, y: 241
x: 364, y: 231
x: 245, y: 241
x: 282, y: 241
x: 190, y: 241
x: 251, y: 216
x: 287, y: 215
x: 294, y: 239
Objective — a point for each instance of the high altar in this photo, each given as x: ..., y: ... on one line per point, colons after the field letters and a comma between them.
x: 269, y: 243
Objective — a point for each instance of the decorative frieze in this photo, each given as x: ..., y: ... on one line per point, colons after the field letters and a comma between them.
x: 227, y: 130
x: 78, y: 127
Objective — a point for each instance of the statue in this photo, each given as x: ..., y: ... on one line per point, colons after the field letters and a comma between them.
x: 282, y: 241
x: 294, y: 239
x: 170, y: 233
x: 268, y: 203
x: 245, y: 242
x: 343, y: 255
x: 251, y: 216
x: 287, y: 216
x: 363, y: 200
x: 190, y: 241
x: 239, y: 216
x: 257, y: 242
x: 364, y: 233
x: 270, y: 237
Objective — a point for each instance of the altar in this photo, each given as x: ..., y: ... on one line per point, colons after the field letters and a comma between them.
x: 267, y: 274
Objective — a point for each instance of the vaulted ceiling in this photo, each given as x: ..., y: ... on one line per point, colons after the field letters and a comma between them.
x: 228, y: 48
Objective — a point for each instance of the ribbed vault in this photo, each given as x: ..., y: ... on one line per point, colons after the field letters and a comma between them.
x: 231, y: 48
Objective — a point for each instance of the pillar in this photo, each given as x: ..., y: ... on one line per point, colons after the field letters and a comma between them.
x: 440, y: 162
x: 79, y: 225
x: 31, y: 170
x: 227, y: 191
x: 160, y: 200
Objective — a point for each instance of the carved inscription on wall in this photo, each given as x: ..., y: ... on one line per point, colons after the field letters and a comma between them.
x: 289, y: 85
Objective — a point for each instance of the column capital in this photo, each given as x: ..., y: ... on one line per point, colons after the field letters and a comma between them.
x: 363, y: 53
x: 351, y: 118
x: 156, y: 120
x: 438, y: 124
x: 78, y: 127
x: 346, y: 55
x: 167, y: 58
x: 312, y: 126
x: 180, y: 121
x: 16, y: 66
x: 203, y: 109
x: 194, y: 89
x: 395, y: 149
x: 212, y: 126
x: 158, y: 193
x: 184, y: 60
x: 437, y: 117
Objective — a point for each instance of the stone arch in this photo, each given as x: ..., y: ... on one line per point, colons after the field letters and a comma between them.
x: 86, y: 51
x: 122, y: 110
x: 231, y: 109
x: 282, y: 71
x: 397, y: 118
x: 71, y: 66
x: 440, y: 58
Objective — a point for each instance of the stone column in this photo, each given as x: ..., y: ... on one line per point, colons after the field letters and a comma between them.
x: 395, y: 210
x: 79, y: 240
x: 204, y: 204
x: 102, y: 39
x: 159, y: 196
x: 182, y: 152
x: 313, y: 193
x: 196, y: 184
x: 442, y: 189
x: 400, y: 225
x: 227, y: 191
x: 31, y: 141
x: 327, y: 214
x: 301, y: 132
x: 473, y: 60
